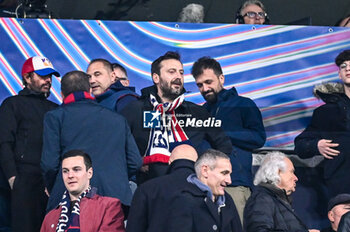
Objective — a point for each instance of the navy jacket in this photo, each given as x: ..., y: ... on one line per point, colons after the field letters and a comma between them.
x: 192, y: 211
x: 153, y: 198
x: 117, y: 97
x: 242, y: 122
x: 268, y: 209
x: 100, y: 132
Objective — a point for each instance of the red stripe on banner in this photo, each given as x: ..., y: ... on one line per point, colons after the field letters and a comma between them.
x: 156, y: 158
x: 18, y: 43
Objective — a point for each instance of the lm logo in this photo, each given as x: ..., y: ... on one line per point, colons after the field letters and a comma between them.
x: 151, y: 119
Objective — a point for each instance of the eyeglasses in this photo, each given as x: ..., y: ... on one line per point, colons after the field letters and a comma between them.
x: 343, y: 65
x: 252, y: 14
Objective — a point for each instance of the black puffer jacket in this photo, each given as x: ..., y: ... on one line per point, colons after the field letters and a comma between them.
x: 329, y: 121
x: 21, y: 131
x: 268, y: 209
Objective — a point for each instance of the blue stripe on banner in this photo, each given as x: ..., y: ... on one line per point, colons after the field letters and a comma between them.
x: 277, y: 66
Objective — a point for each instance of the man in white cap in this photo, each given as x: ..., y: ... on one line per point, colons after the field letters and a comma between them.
x: 21, y: 126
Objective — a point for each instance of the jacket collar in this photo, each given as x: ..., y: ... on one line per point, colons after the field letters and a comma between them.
x: 28, y: 92
x: 281, y: 193
x: 219, y: 201
x: 91, y: 194
x: 329, y: 92
x: 77, y: 96
x: 115, y: 87
x: 223, y: 95
x: 181, y: 164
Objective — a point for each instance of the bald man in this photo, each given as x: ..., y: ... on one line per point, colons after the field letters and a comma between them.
x: 151, y: 199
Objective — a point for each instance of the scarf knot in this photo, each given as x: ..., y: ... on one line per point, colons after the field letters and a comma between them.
x: 170, y: 134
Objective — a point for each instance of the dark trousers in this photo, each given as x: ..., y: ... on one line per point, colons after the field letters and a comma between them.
x: 5, y: 219
x: 28, y: 202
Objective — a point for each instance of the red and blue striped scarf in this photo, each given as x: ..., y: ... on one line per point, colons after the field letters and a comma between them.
x: 168, y: 135
x: 69, y: 219
x: 77, y: 96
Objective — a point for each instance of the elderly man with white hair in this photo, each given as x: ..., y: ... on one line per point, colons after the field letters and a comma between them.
x: 269, y: 207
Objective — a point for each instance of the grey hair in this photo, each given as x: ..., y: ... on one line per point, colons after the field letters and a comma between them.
x: 268, y: 171
x: 192, y: 13
x: 252, y: 2
x: 208, y: 158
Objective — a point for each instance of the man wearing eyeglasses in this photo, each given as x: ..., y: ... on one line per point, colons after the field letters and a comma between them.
x: 121, y: 74
x: 328, y: 133
x: 252, y: 12
x: 107, y: 87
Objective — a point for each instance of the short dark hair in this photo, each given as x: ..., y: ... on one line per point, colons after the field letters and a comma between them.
x: 155, y: 68
x: 119, y: 66
x: 24, y: 82
x: 75, y: 153
x: 203, y: 63
x: 105, y: 63
x: 75, y: 81
x: 342, y: 57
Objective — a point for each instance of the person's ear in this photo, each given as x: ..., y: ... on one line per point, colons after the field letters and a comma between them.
x: 26, y: 77
x: 90, y: 173
x: 331, y: 216
x: 205, y: 171
x: 222, y: 79
x: 155, y: 78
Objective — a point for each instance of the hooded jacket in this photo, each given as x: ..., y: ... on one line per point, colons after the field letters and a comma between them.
x: 329, y: 121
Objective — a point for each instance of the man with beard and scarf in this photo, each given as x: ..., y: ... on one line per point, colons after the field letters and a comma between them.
x: 328, y: 133
x: 241, y: 120
x: 21, y: 126
x: 161, y: 119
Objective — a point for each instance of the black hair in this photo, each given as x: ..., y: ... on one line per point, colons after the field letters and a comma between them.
x: 74, y: 153
x: 74, y: 81
x: 119, y: 66
x: 343, y: 56
x: 203, y: 63
x: 155, y: 68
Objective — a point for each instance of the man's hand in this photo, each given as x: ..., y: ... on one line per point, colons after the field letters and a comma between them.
x: 47, y: 192
x: 11, y: 180
x: 325, y: 147
x: 144, y: 168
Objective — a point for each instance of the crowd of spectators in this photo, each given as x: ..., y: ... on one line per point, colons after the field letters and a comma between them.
x: 104, y: 138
